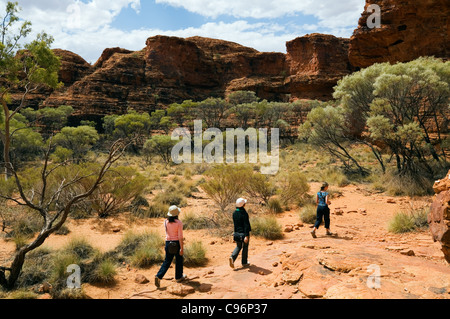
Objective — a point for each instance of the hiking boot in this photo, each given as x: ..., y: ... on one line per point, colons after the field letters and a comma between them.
x: 231, y: 262
x: 157, y: 282
x: 329, y: 233
x: 183, y: 278
x: 313, y: 234
x: 246, y: 265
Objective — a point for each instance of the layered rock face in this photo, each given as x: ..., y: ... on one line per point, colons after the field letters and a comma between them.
x: 439, y: 216
x: 409, y: 30
x: 317, y: 62
x: 172, y: 69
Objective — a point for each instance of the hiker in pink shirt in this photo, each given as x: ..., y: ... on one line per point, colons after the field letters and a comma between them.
x: 174, y: 246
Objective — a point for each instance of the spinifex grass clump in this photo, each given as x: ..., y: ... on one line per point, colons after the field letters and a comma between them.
x: 408, y: 221
x: 308, y: 214
x: 266, y: 227
x: 195, y: 254
x: 142, y: 250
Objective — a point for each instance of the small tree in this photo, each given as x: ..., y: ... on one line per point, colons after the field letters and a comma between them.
x: 22, y: 70
x: 77, y: 139
x: 160, y: 145
x: 325, y: 128
x: 51, y: 193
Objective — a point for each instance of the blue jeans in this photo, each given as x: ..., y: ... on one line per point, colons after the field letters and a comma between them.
x: 241, y: 246
x: 168, y: 261
x: 323, y: 212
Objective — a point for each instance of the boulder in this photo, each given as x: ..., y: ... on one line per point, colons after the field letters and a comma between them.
x: 141, y: 279
x: 439, y: 216
x: 180, y: 290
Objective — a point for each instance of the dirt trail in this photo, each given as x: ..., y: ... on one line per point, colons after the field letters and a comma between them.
x: 363, y: 260
x: 410, y: 265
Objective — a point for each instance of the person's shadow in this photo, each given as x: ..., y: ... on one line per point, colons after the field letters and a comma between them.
x: 256, y: 269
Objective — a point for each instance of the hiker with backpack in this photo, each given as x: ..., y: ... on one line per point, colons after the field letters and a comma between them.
x: 323, y: 211
x: 241, y: 235
x: 174, y: 246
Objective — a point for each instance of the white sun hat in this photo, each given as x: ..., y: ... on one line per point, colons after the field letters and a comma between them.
x: 174, y: 211
x: 241, y: 202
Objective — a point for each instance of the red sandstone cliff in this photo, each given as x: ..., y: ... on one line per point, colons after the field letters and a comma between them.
x: 171, y: 69
x: 409, y: 30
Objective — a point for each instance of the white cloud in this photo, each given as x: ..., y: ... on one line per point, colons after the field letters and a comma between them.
x: 327, y: 11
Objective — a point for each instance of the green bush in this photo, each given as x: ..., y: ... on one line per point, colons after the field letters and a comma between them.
x: 266, y: 227
x: 156, y: 210
x: 22, y: 295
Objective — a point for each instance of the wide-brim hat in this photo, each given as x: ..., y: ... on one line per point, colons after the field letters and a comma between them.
x: 174, y: 211
x: 241, y: 202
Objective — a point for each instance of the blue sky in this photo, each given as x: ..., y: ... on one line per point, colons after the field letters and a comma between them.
x: 87, y: 27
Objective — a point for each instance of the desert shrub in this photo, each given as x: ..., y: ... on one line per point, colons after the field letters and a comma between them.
x: 187, y: 174
x: 420, y: 218
x: 266, y: 227
x: 156, y: 210
x: 64, y: 230
x: 118, y: 190
x: 60, y: 262
x: 335, y: 176
x: 160, y: 145
x: 275, y: 206
x: 17, y: 222
x: 68, y: 293
x: 293, y: 187
x: 195, y: 254
x: 260, y: 186
x: 226, y: 183
x: 139, y: 205
x: 170, y: 198
x: 308, y: 214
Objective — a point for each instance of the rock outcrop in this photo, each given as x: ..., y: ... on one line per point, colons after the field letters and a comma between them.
x: 409, y: 30
x: 317, y: 62
x: 172, y: 69
x: 439, y: 216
